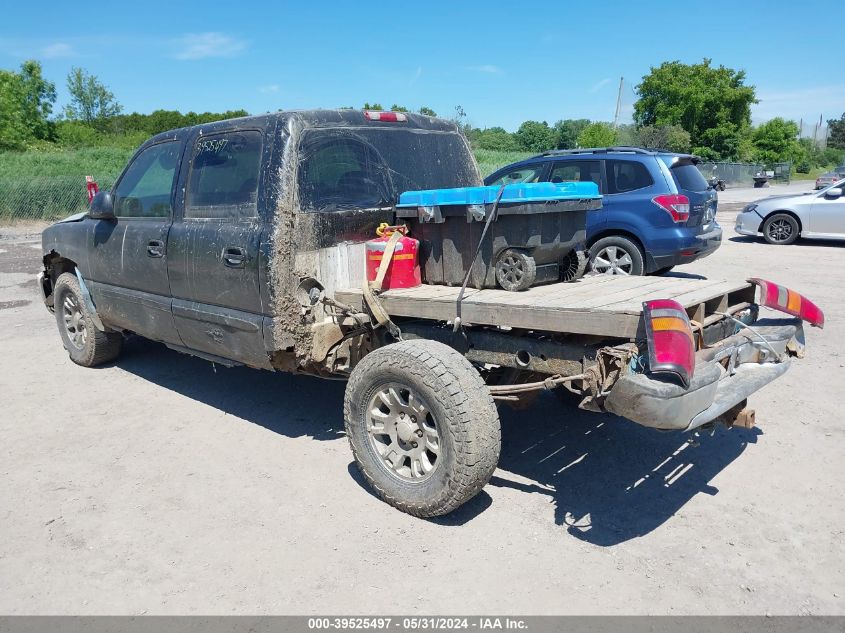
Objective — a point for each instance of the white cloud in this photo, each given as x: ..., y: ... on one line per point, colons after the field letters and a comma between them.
x: 205, y: 45
x: 269, y: 89
x: 58, y: 49
x: 486, y: 68
x: 599, y: 85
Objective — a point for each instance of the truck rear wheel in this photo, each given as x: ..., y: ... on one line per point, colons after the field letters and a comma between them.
x: 85, y: 344
x: 422, y: 426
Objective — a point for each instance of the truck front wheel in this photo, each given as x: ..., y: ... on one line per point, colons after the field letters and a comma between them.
x: 85, y: 344
x: 422, y: 426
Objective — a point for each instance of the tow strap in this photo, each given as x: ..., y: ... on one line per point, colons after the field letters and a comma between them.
x: 372, y: 287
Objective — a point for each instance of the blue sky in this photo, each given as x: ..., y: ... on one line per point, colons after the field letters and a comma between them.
x: 504, y: 62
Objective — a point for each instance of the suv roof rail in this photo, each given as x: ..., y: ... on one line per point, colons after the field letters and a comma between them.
x: 600, y: 150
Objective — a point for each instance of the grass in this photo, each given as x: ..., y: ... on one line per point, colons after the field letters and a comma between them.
x: 100, y: 162
x: 46, y: 185
x: 815, y: 172
x: 490, y: 160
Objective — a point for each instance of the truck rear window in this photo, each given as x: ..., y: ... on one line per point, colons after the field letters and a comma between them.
x: 353, y: 168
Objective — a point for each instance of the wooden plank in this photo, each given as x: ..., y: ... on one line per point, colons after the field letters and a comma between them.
x: 661, y: 291
x: 606, y: 301
x: 681, y: 293
x: 606, y: 307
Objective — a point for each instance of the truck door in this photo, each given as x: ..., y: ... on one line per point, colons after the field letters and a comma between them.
x: 128, y: 262
x: 214, y: 247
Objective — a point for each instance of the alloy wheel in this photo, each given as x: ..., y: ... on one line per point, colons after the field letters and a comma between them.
x: 612, y: 260
x: 403, y: 432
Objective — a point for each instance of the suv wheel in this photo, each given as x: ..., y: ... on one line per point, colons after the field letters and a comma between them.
x: 616, y: 255
x: 781, y: 228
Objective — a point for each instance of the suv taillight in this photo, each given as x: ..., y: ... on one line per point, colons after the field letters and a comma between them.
x: 675, y: 204
x: 671, y: 347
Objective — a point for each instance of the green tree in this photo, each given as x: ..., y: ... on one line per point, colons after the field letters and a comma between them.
x: 535, y: 136
x: 597, y: 135
x: 427, y: 111
x: 398, y: 108
x: 627, y: 134
x: 90, y: 101
x: 376, y: 107
x: 776, y: 141
x: 567, y: 131
x: 699, y: 98
x: 26, y: 101
x: 39, y: 95
x: 836, y: 132
x: 13, y: 132
x: 671, y: 137
x: 494, y: 138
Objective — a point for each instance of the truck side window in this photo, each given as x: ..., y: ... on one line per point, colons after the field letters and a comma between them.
x: 145, y: 189
x: 223, y: 183
x: 340, y: 173
x: 627, y: 175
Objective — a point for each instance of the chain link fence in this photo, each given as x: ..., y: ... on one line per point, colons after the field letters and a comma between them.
x: 43, y: 198
x: 736, y: 174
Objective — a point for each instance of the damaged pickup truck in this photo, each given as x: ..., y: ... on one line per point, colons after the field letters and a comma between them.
x: 245, y: 242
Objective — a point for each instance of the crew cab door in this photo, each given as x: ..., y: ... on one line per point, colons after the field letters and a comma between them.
x: 128, y: 256
x: 214, y: 246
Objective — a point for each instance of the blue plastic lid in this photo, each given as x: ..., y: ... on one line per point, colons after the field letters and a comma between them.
x: 516, y: 193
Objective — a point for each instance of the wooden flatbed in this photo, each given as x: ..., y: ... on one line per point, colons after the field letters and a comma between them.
x: 599, y: 305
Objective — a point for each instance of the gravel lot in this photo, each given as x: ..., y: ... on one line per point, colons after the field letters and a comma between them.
x: 164, y: 485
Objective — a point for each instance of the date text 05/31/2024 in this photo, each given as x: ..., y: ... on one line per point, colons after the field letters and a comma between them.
x: 416, y: 623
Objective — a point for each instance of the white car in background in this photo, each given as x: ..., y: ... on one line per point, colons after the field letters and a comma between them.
x: 782, y: 219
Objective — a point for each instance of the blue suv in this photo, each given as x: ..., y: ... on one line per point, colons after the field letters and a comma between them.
x: 658, y: 210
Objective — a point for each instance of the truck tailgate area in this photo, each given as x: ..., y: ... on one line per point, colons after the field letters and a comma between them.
x: 601, y: 305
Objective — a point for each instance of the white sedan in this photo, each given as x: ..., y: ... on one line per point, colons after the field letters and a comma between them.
x: 782, y: 219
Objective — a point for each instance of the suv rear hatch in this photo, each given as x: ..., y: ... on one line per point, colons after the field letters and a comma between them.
x: 692, y: 184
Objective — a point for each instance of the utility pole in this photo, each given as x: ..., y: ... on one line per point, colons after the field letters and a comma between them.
x: 816, y: 132
x: 618, y: 104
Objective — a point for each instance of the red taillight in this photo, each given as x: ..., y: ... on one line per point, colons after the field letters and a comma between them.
x: 671, y: 347
x: 675, y: 204
x: 782, y: 298
x: 392, y: 117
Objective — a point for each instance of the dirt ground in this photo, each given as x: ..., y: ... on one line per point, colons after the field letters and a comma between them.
x: 163, y: 484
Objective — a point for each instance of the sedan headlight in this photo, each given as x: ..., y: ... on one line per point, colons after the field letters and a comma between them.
x: 749, y: 208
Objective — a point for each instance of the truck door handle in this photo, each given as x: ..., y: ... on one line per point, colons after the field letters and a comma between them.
x: 234, y: 257
x: 155, y: 248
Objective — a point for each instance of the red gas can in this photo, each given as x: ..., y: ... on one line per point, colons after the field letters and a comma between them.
x: 404, y: 268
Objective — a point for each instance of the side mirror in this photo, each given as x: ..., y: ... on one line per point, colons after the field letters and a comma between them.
x: 102, y: 207
x: 835, y: 192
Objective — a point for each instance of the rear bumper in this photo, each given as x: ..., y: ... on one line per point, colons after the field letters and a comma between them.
x: 724, y: 376
x: 696, y: 248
